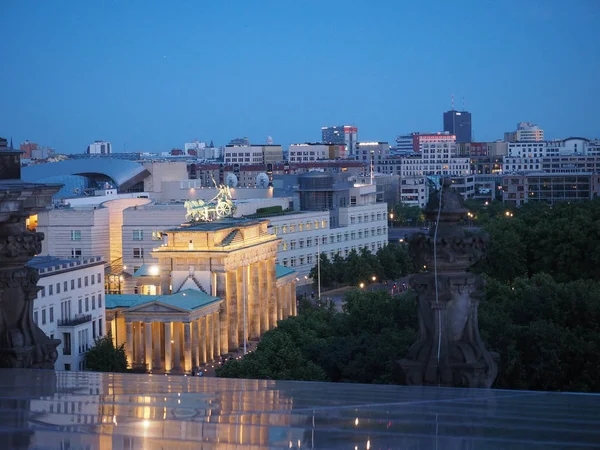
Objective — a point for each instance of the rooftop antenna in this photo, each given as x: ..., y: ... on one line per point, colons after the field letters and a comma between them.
x: 452, y: 102
x: 464, y: 107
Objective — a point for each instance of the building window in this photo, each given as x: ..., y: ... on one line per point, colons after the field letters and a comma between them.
x: 67, y: 347
x: 300, y: 227
x: 78, y: 282
x: 301, y: 243
x: 99, y: 326
x: 51, y: 314
x: 308, y: 225
x: 138, y: 235
x: 86, y: 280
x: 76, y: 253
x: 292, y: 228
x: 309, y: 242
x: 35, y: 317
x: 293, y: 262
x: 93, y: 302
x: 80, y: 306
x: 324, y: 240
x: 157, y: 235
x: 87, y: 304
x: 285, y: 262
x: 293, y: 245
x: 284, y: 229
x: 43, y: 291
x: 93, y: 329
x: 67, y: 366
x: 98, y: 277
x: 93, y: 279
x: 316, y: 224
x: 75, y: 235
x: 99, y: 300
x: 50, y: 289
x: 138, y: 252
x: 309, y: 259
x: 65, y: 286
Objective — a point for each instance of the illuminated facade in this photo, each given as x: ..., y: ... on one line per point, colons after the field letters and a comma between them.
x: 215, y: 286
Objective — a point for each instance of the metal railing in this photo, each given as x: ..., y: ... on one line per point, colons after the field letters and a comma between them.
x: 77, y: 320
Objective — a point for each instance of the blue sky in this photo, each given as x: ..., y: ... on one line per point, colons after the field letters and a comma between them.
x: 152, y: 75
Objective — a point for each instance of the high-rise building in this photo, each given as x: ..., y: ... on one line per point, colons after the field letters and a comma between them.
x: 525, y: 132
x: 99, y: 148
x: 458, y: 123
x: 342, y: 134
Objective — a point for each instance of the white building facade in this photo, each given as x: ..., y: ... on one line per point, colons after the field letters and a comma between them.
x: 525, y: 132
x: 362, y: 224
x: 99, y: 148
x: 70, y: 305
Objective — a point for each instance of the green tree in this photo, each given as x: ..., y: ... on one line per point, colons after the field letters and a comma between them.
x: 547, y: 333
x: 408, y: 215
x: 105, y: 357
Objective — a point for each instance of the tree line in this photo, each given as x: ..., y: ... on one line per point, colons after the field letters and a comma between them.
x: 389, y: 263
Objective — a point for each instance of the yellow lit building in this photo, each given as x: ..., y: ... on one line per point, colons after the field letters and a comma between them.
x: 216, y: 284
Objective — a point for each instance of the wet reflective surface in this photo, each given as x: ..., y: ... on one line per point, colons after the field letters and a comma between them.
x: 70, y: 410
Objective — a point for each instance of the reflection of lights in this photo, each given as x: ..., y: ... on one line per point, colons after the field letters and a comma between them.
x: 172, y: 341
x: 154, y: 270
x: 146, y: 423
x: 290, y: 444
x: 368, y: 444
x: 356, y: 421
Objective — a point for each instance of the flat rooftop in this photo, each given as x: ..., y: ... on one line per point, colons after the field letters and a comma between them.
x: 47, y: 409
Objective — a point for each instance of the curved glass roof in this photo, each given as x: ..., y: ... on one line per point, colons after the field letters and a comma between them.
x: 124, y: 173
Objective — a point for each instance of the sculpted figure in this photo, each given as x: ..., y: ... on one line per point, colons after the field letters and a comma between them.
x: 449, y: 350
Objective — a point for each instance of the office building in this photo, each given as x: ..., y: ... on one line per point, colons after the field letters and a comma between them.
x: 316, y: 152
x: 253, y: 154
x: 27, y: 148
x: 343, y: 134
x: 525, y: 132
x: 548, y: 187
x: 458, y: 123
x: 372, y: 152
x: 99, y: 148
x: 70, y: 306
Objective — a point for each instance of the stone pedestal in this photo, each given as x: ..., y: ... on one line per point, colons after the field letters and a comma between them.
x: 449, y: 350
x: 22, y: 343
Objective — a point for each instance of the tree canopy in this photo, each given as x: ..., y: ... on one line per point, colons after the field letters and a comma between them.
x: 105, y: 357
x: 360, y: 344
x: 389, y: 263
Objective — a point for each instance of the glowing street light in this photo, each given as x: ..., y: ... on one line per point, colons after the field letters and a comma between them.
x: 374, y: 278
x: 361, y: 285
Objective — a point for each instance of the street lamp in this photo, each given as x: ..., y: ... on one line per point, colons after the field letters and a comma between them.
x: 361, y: 285
x: 391, y: 220
x: 374, y: 278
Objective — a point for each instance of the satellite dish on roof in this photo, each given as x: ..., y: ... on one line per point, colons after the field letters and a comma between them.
x: 262, y: 180
x: 231, y: 180
x: 269, y: 140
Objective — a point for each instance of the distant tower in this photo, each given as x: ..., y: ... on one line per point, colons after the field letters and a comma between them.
x: 458, y: 123
x: 269, y: 140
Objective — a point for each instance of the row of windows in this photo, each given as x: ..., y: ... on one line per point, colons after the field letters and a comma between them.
x: 43, y: 314
x: 331, y: 239
x: 311, y: 259
x: 138, y: 235
x: 299, y: 227
x: 56, y: 288
x: 65, y: 309
x: 365, y: 217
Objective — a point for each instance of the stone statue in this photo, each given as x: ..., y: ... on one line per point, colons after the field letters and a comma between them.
x: 22, y: 343
x: 449, y: 350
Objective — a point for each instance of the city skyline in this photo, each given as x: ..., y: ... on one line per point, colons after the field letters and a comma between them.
x: 146, y: 77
